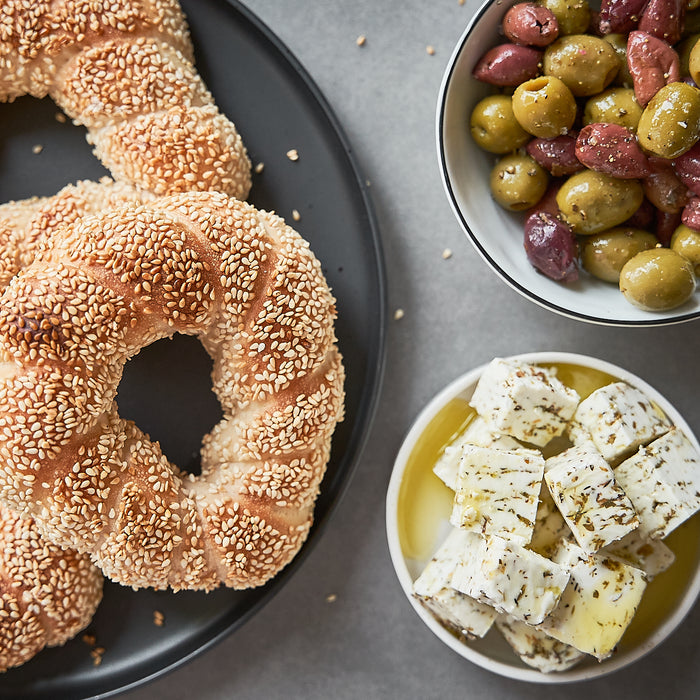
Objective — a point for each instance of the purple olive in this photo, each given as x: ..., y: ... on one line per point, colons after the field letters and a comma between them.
x: 551, y: 247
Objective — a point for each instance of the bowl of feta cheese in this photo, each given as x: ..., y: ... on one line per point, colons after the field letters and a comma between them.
x: 541, y: 517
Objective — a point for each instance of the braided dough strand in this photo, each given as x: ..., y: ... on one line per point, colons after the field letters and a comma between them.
x: 26, y: 225
x: 47, y: 595
x: 123, y: 69
x: 248, y: 286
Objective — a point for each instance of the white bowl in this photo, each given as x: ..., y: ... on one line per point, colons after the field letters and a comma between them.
x: 433, y: 508
x: 496, y: 233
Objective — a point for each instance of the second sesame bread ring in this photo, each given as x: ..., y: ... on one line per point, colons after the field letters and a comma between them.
x: 248, y: 286
x: 124, y: 70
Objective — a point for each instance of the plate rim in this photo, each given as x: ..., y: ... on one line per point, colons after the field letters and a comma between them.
x: 367, y: 405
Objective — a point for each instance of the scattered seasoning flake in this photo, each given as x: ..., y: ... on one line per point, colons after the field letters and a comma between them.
x: 158, y: 618
x: 259, y: 168
x: 293, y: 154
x: 37, y: 149
x: 331, y: 598
x: 446, y: 254
x: 60, y: 117
x: 296, y: 215
x: 398, y: 314
x: 361, y: 40
x: 430, y: 50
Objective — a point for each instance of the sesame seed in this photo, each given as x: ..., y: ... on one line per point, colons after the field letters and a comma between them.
x: 430, y: 50
x: 296, y: 215
x: 293, y: 154
x: 37, y: 148
x: 361, y: 40
x: 446, y: 254
x: 158, y: 618
x: 398, y: 314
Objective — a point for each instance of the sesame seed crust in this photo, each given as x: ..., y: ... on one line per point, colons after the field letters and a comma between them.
x: 124, y: 69
x: 47, y: 595
x: 204, y: 264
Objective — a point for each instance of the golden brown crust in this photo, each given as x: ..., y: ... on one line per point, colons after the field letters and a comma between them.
x: 248, y: 286
x: 123, y: 68
x: 25, y: 226
x: 47, y: 595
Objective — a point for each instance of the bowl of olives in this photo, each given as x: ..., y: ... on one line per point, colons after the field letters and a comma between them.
x: 568, y: 137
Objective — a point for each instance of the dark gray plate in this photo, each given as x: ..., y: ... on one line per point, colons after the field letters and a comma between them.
x: 276, y: 107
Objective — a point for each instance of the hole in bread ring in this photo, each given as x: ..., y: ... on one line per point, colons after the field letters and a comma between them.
x: 249, y: 288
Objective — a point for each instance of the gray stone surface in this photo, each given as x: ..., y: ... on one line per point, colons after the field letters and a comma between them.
x: 368, y: 642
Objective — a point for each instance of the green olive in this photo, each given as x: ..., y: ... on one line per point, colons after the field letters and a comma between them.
x: 694, y: 62
x: 544, y: 107
x: 518, y: 182
x: 670, y: 123
x: 613, y: 106
x: 587, y: 64
x: 591, y: 202
x: 619, y: 45
x: 657, y: 280
x: 604, y: 254
x: 684, y: 49
x: 494, y: 127
x: 573, y: 16
x: 686, y: 242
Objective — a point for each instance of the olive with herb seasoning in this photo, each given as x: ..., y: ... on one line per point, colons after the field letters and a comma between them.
x: 518, y: 182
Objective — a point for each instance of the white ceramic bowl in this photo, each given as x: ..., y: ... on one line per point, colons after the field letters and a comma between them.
x: 419, y: 494
x: 496, y: 233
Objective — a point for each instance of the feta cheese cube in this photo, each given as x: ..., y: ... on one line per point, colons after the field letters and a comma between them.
x: 598, y: 604
x: 476, y: 433
x: 433, y: 588
x: 524, y: 401
x: 509, y: 577
x: 618, y: 418
x: 497, y: 492
x: 593, y: 505
x: 651, y: 556
x: 537, y: 649
x: 663, y: 483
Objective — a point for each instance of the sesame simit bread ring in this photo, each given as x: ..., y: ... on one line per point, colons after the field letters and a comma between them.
x: 250, y: 289
x: 123, y: 69
x: 47, y: 594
